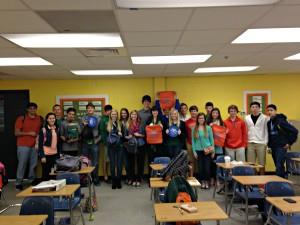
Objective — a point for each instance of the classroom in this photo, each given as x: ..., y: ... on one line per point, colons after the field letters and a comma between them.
x: 98, y: 59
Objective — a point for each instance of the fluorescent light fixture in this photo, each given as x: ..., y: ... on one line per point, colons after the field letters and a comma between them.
x: 188, y: 3
x: 24, y: 61
x: 101, y: 72
x: 269, y: 35
x: 293, y: 57
x: 225, y: 69
x: 75, y: 40
x: 172, y: 59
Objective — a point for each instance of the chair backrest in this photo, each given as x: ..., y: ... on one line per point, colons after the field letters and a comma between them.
x: 278, y: 188
x: 220, y: 171
x: 38, y: 206
x: 71, y: 178
x: 290, y: 164
x: 243, y: 171
x: 161, y: 160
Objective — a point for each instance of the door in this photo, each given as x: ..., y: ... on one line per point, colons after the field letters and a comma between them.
x: 12, y: 104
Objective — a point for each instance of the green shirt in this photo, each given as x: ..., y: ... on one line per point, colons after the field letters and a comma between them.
x: 103, y: 129
x: 198, y: 144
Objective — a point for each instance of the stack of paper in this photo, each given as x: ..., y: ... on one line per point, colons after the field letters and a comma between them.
x: 51, y: 185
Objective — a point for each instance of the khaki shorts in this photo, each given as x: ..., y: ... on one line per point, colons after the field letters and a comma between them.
x: 256, y: 151
x: 191, y: 157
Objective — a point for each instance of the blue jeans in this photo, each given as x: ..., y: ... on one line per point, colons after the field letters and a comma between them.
x: 115, y: 154
x: 126, y: 161
x: 92, y: 152
x: 27, y: 156
x: 279, y: 157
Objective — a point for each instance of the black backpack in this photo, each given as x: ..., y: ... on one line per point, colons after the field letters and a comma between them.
x: 87, y: 133
x: 290, y: 132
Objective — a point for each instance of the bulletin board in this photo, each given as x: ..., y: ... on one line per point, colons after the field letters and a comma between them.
x: 263, y: 97
x: 79, y: 102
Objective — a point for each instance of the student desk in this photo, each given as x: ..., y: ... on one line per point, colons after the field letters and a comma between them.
x: 66, y: 191
x: 23, y: 219
x: 248, y: 181
x: 155, y: 166
x: 296, y: 159
x: 86, y: 171
x: 227, y: 167
x: 207, y: 211
x: 158, y: 182
x: 285, y: 207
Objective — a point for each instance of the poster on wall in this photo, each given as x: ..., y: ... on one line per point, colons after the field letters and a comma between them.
x: 79, y: 102
x: 263, y: 97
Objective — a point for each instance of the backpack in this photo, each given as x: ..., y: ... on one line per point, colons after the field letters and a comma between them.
x: 184, y: 197
x: 3, y: 177
x: 177, y: 167
x: 37, y: 140
x: 290, y: 132
x: 87, y: 133
x: 84, y: 178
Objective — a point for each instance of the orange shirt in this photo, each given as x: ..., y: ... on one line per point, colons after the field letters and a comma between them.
x: 27, y: 124
x: 189, y: 125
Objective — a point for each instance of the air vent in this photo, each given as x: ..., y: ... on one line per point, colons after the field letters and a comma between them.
x: 103, y: 52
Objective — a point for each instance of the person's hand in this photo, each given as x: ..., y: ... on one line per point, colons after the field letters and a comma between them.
x: 136, y: 134
x: 213, y: 155
x: 120, y: 133
x: 167, y: 131
x: 195, y: 155
x: 43, y: 160
x: 286, y: 146
x: 179, y: 132
x: 32, y: 133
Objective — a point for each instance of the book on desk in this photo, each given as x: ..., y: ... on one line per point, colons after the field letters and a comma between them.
x: 50, y: 185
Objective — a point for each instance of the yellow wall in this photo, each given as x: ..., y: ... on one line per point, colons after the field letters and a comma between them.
x: 222, y: 90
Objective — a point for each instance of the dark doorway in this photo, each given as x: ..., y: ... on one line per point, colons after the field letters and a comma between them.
x: 12, y: 104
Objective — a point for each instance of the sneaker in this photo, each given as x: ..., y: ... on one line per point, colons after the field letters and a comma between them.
x: 19, y: 187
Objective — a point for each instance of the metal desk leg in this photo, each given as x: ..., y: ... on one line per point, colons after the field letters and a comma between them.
x: 218, y: 222
x: 71, y: 210
x: 269, y: 215
x: 9, y: 206
x: 288, y: 219
x: 91, y: 218
x: 246, y: 205
x: 196, y: 192
x: 231, y: 203
x: 226, y: 191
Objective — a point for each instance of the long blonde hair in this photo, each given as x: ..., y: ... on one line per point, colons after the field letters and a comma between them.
x: 110, y: 122
x: 170, y: 119
x: 196, y: 134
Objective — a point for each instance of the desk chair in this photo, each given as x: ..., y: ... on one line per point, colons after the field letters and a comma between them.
x: 221, y: 175
x: 254, y: 194
x: 291, y: 165
x: 278, y: 189
x: 62, y: 204
x: 39, y: 206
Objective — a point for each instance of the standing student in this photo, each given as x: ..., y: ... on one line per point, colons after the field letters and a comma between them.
x: 57, y: 110
x: 257, y: 135
x: 189, y: 125
x: 27, y: 128
x: 236, y: 138
x: 136, y: 131
x: 203, y: 149
x: 175, y: 134
x: 70, y: 131
x: 90, y: 139
x: 103, y: 133
x: 124, y: 117
x: 48, y: 145
x: 114, y: 149
x: 281, y: 136
x: 208, y: 108
x: 184, y: 116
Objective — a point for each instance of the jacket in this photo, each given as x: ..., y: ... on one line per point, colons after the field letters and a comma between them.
x: 45, y: 139
x: 257, y: 133
x: 236, y: 133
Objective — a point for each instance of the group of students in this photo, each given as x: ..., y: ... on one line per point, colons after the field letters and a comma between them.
x: 181, y: 131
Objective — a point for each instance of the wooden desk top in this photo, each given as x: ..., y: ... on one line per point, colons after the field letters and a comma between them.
x: 296, y: 159
x: 229, y: 166
x: 67, y: 190
x: 157, y: 182
x: 257, y: 180
x: 207, y: 210
x: 157, y: 166
x: 85, y: 170
x: 22, y: 220
x: 284, y: 206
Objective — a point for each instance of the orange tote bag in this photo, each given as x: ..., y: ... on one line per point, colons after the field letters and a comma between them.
x: 154, y: 134
x: 219, y: 133
x: 167, y: 99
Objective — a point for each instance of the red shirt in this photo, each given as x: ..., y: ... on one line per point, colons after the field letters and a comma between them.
x: 27, y: 124
x: 236, y: 136
x: 189, y: 125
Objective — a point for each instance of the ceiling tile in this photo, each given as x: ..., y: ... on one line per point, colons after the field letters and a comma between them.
x: 182, y: 68
x: 272, y: 59
x: 23, y: 22
x: 111, y: 61
x: 70, y: 62
x: 280, y: 16
x: 15, y: 52
x: 12, y: 5
x: 69, y: 5
x: 153, y: 20
x: 56, y: 52
x: 199, y: 49
x: 150, y: 51
x: 6, y: 44
x: 283, y: 47
x: 151, y: 38
x: 148, y: 69
x: 289, y: 2
x: 239, y: 48
x: 230, y: 59
x: 209, y: 36
x: 226, y: 17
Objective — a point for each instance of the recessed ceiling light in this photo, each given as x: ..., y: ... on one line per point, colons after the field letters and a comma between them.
x: 101, y: 72
x: 24, y: 61
x: 188, y: 3
x: 293, y: 57
x: 269, y: 35
x: 225, y: 69
x: 90, y: 40
x: 172, y: 59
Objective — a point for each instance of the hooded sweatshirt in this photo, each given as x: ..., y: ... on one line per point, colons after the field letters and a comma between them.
x: 236, y: 136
